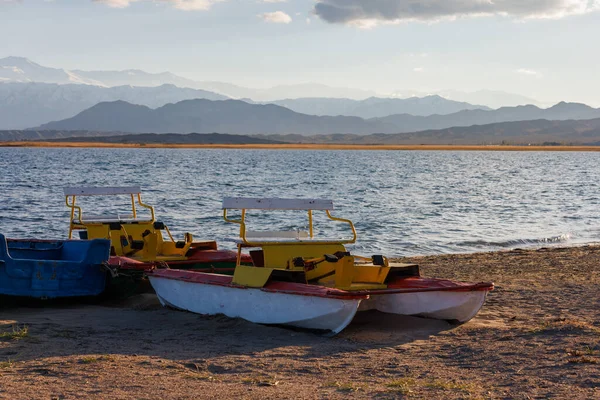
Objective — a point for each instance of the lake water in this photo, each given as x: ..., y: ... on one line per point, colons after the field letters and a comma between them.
x: 402, y: 202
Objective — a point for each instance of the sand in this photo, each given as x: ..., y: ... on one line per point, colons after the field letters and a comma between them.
x: 292, y: 146
x: 537, y: 336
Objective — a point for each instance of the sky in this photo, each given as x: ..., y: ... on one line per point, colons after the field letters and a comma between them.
x: 544, y: 49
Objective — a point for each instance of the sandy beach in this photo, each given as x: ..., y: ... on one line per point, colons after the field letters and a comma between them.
x: 292, y: 146
x: 537, y: 336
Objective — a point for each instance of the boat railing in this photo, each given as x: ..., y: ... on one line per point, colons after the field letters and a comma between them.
x: 129, y: 224
x: 77, y: 216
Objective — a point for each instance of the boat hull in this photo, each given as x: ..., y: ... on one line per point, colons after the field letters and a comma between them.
x: 430, y: 297
x: 257, y: 305
x: 447, y: 305
x: 313, y: 306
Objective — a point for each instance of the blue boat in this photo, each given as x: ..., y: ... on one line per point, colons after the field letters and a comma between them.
x: 51, y: 269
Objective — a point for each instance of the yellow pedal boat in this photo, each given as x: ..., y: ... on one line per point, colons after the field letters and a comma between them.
x: 300, y: 280
x: 137, y: 235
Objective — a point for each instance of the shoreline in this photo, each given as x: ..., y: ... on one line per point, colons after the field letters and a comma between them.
x: 294, y: 146
x: 535, y: 337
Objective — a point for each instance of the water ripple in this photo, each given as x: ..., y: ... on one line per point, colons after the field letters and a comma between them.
x: 403, y: 202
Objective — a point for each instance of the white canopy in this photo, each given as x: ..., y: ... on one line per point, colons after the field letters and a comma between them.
x: 239, y: 203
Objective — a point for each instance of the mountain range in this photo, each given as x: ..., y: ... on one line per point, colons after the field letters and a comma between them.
x: 490, y: 98
x: 105, y: 101
x: 558, y: 112
x: 206, y: 116
x: 20, y: 69
x: 26, y: 104
x: 238, y: 117
x: 376, y: 106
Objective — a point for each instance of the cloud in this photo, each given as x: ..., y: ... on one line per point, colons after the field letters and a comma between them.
x: 190, y: 5
x: 394, y: 11
x: 273, y: 1
x: 525, y: 71
x: 418, y: 69
x: 364, y: 23
x: 186, y: 5
x: 276, y: 17
x: 115, y: 3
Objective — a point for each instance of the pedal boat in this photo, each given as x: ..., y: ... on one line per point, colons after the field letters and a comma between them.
x: 303, y: 281
x: 52, y: 269
x: 47, y: 269
x: 138, y: 236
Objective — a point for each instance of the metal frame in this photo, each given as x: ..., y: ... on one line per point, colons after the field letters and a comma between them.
x: 134, y: 192
x: 308, y: 205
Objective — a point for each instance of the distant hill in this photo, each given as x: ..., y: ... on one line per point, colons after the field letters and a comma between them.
x: 205, y: 116
x: 522, y: 132
x: 172, y: 138
x: 582, y: 132
x: 560, y: 111
x: 238, y: 117
x: 24, y: 105
x: 122, y: 137
x: 375, y: 106
x: 43, y: 135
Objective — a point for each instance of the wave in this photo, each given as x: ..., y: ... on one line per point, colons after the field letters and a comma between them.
x: 517, y: 242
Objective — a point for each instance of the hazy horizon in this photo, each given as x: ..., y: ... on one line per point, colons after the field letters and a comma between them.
x: 542, y: 50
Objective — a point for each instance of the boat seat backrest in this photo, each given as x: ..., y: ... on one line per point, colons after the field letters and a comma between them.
x: 134, y: 232
x: 98, y: 231
x: 276, y: 234
x: 137, y: 231
x: 105, y: 218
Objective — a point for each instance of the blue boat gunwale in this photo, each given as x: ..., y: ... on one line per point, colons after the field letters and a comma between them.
x: 67, y: 253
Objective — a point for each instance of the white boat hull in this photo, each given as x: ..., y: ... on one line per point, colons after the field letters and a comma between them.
x: 313, y: 306
x: 458, y: 306
x: 256, y: 305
